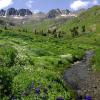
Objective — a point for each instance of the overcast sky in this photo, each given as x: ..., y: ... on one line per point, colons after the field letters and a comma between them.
x: 45, y: 5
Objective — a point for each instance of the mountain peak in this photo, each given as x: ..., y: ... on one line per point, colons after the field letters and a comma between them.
x: 15, y: 12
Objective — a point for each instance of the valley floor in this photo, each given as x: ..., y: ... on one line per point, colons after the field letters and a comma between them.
x: 33, y: 65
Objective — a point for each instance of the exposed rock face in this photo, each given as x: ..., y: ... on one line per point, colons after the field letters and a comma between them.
x: 12, y: 11
x: 2, y: 12
x: 15, y: 12
x: 56, y: 12
x: 53, y: 13
x: 26, y: 13
x: 65, y: 11
x: 23, y: 12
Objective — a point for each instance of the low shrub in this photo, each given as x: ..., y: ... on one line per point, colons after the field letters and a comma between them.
x: 5, y: 82
x: 7, y: 56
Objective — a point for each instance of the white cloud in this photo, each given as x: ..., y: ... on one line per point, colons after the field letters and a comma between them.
x: 5, y: 3
x: 29, y: 3
x: 79, y: 4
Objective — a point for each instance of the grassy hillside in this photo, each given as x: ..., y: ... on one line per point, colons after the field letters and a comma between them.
x: 89, y: 18
x: 32, y: 65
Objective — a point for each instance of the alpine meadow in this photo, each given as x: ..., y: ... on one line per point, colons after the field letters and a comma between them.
x: 50, y: 56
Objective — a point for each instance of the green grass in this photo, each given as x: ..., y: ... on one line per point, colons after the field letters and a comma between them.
x: 42, y: 60
x: 7, y: 55
x: 39, y: 60
x: 27, y: 59
x: 96, y: 60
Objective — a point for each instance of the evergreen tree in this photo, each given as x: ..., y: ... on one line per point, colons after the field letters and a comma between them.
x: 83, y: 28
x: 74, y: 31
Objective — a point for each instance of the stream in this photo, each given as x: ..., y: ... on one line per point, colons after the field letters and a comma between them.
x: 81, y: 78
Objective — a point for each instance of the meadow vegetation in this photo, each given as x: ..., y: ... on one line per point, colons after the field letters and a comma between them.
x: 32, y: 65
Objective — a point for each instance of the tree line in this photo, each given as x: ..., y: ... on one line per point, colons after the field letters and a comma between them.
x: 75, y: 30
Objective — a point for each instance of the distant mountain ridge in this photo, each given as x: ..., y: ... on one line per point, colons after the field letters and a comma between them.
x: 56, y: 12
x: 15, y: 12
x: 26, y: 13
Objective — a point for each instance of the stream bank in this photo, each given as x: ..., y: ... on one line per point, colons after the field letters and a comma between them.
x: 82, y: 79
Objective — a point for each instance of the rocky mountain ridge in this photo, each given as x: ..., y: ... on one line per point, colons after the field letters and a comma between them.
x: 27, y: 14
x: 56, y: 12
x: 15, y: 12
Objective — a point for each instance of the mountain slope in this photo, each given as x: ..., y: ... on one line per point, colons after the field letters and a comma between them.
x: 90, y: 18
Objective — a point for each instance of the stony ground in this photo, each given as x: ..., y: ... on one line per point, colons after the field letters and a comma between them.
x: 82, y: 79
